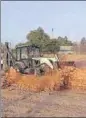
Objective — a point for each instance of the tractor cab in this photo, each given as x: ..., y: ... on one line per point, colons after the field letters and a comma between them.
x: 26, y: 52
x: 24, y: 58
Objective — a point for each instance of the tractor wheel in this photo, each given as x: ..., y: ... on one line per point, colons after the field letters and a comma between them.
x: 19, y: 67
x: 39, y: 71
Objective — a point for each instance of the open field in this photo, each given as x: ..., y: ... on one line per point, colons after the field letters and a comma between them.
x: 68, y: 57
x: 60, y: 103
x: 73, y: 57
x: 71, y: 102
x: 43, y: 59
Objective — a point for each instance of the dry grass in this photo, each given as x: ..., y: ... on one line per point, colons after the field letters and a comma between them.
x: 73, y: 57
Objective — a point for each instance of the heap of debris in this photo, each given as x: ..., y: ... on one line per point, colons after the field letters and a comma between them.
x: 68, y: 77
x: 75, y: 77
x: 32, y: 82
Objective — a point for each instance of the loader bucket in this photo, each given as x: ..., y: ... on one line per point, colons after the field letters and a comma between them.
x: 77, y: 64
x: 66, y: 63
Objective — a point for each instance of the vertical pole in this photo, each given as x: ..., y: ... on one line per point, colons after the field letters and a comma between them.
x: 52, y: 33
x: 5, y: 58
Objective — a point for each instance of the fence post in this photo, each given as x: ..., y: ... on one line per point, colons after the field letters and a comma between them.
x: 6, y: 58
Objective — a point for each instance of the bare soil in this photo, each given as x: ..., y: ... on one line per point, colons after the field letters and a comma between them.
x: 64, y: 103
x: 20, y: 103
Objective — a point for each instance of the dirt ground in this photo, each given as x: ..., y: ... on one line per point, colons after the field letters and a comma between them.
x: 64, y: 103
x: 72, y: 57
x: 20, y: 103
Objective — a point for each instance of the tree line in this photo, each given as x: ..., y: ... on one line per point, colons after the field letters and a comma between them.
x: 40, y: 38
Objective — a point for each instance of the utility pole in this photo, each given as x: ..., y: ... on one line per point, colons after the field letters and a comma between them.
x: 52, y: 33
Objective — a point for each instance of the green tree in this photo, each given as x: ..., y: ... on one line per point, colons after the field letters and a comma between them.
x: 38, y: 37
x: 64, y: 41
x: 52, y: 46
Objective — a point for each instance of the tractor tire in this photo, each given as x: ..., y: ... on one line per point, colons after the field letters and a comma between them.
x: 19, y: 66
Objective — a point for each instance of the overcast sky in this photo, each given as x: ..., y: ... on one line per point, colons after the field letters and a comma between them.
x: 19, y: 17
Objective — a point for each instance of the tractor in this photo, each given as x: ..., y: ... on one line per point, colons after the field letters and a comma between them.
x: 28, y: 60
